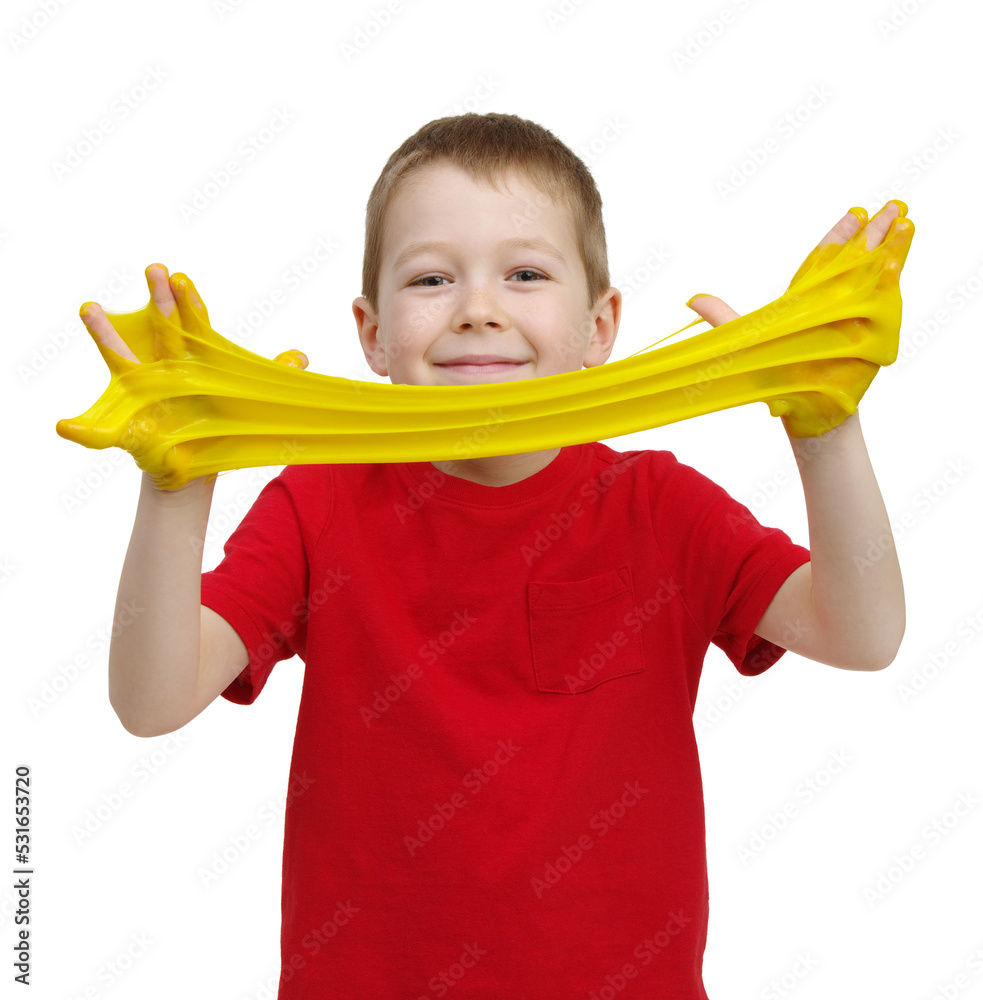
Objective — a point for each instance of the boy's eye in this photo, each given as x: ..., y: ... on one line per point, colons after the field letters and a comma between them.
x: 524, y: 276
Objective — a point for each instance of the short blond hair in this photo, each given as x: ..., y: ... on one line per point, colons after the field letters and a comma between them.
x: 490, y: 146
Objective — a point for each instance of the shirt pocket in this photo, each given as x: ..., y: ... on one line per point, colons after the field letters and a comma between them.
x: 577, y: 632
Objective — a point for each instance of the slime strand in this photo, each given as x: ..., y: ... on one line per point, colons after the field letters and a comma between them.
x: 199, y: 404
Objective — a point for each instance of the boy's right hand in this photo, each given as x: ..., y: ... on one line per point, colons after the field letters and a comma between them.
x: 170, y: 293
x: 179, y: 303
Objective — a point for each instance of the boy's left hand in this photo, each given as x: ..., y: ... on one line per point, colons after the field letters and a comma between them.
x: 716, y: 312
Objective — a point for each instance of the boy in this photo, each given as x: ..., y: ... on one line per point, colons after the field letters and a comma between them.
x: 496, y: 777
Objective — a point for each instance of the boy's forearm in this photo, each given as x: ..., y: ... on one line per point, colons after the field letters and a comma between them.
x: 857, y: 589
x: 155, y: 651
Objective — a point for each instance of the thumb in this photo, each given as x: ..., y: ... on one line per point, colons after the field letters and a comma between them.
x: 715, y: 311
x: 293, y: 359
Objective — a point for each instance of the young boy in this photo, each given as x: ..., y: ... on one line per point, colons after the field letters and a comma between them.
x: 495, y: 782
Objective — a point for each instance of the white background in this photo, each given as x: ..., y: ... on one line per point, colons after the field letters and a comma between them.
x: 660, y: 133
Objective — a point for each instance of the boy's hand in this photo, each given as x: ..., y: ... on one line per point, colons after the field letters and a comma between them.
x: 801, y: 409
x: 163, y: 290
x: 169, y: 293
x: 135, y: 341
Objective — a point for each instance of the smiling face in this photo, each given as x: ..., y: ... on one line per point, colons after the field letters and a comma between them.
x: 472, y: 273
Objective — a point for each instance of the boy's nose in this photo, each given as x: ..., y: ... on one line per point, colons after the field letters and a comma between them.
x: 479, y: 309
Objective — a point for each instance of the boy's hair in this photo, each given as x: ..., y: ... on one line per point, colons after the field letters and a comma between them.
x: 489, y: 146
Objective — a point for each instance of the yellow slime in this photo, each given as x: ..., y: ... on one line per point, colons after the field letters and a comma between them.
x: 199, y: 404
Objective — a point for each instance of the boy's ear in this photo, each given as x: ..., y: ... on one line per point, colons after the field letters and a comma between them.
x: 607, y: 318
x: 367, y: 322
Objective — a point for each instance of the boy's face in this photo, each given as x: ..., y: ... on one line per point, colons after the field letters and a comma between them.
x: 479, y: 293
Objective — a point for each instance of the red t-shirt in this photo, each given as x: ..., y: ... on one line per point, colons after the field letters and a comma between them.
x: 495, y: 783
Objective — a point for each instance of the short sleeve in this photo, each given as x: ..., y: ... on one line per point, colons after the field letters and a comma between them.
x: 727, y: 565
x: 260, y: 586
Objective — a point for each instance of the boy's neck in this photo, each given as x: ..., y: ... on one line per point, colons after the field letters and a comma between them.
x: 498, y: 470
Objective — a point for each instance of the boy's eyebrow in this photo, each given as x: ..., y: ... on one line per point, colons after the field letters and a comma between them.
x: 517, y: 243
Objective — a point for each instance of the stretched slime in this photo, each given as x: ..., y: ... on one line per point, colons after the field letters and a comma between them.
x: 199, y: 404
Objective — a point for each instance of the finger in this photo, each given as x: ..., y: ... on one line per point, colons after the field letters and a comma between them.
x: 102, y: 332
x: 293, y: 359
x: 160, y: 286
x: 878, y: 226
x: 846, y: 227
x: 189, y: 303
x: 715, y: 311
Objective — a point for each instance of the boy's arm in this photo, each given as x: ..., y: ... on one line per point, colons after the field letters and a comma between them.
x: 845, y: 607
x: 170, y: 656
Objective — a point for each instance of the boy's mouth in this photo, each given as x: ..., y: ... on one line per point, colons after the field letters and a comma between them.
x: 480, y: 364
